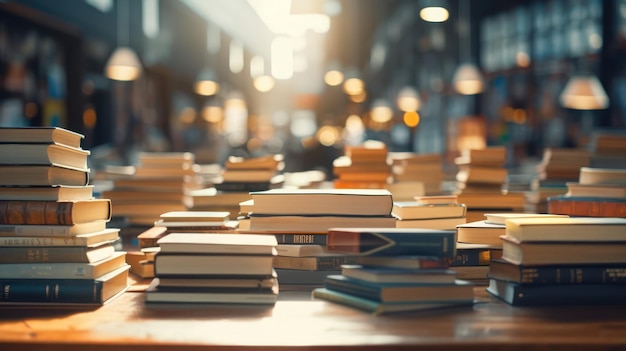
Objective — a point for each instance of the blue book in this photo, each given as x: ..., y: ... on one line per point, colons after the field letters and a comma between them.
x: 393, y: 241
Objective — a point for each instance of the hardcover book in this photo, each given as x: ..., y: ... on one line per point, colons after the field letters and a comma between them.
x: 585, y: 206
x: 300, y: 250
x: 568, y: 229
x: 316, y: 223
x: 480, y: 232
x: 222, y: 243
x: 254, y: 296
x: 55, y: 254
x: 327, y: 262
x: 47, y: 193
x: 41, y: 135
x: 196, y: 265
x: 54, y: 212
x: 403, y: 261
x: 591, y: 175
x: 36, y: 175
x: 43, y: 154
x: 89, y: 239
x: 398, y: 275
x: 43, y: 230
x: 68, y: 270
x: 416, y: 210
x: 500, y: 218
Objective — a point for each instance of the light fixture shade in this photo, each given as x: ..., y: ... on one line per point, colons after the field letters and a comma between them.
x: 408, y: 99
x: 123, y: 65
x: 434, y: 10
x: 468, y: 80
x: 206, y: 83
x: 584, y: 92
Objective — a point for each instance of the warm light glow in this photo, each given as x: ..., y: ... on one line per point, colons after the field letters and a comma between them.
x: 522, y: 59
x: 235, y: 57
x: 263, y: 83
x: 212, y: 114
x: 303, y: 123
x: 206, y: 87
x: 411, y: 119
x: 328, y: 135
x: 188, y: 115
x: 354, y: 131
x: 408, y: 99
x: 30, y: 110
x: 584, y: 93
x: 468, y: 80
x: 519, y: 116
x: 359, y: 98
x: 254, y: 144
x: 353, y: 86
x: 381, y: 112
x: 123, y: 65
x: 434, y: 14
x: 333, y: 78
x: 257, y: 66
x: 282, y: 58
x: 89, y: 117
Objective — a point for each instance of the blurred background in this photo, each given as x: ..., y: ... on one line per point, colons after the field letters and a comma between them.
x: 304, y: 78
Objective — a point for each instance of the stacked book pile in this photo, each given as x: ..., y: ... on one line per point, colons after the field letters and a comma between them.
x: 561, y: 261
x: 55, y: 247
x: 160, y: 183
x: 300, y: 219
x: 362, y: 166
x: 608, y: 150
x: 415, y: 175
x: 557, y: 167
x: 397, y: 270
x: 599, y: 192
x: 214, y: 268
x: 480, y: 180
x: 142, y: 260
x: 433, y: 212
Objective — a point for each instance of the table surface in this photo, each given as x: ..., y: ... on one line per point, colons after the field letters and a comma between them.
x: 297, y: 322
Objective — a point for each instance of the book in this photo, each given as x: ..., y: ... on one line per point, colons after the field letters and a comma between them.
x: 436, y: 199
x: 43, y: 154
x: 377, y: 307
x: 398, y: 275
x: 218, y: 199
x: 260, y: 282
x: 596, y: 190
x: 191, y: 265
x: 47, y: 193
x: 89, y: 239
x: 73, y: 291
x: 44, y: 230
x: 392, y: 241
x: 591, y: 175
x: 549, y: 253
x: 456, y: 292
x: 300, y: 250
x: 558, y: 274
x: 261, y: 162
x: 335, y: 202
x: 41, y: 135
x: 325, y: 262
x: 67, y: 270
x: 301, y: 239
x: 477, y: 174
x: 475, y: 254
x: 222, y: 243
x: 55, y: 254
x: 140, y: 265
x: 299, y: 277
x: 54, y: 212
x: 431, y: 223
x: 37, y: 175
x: 248, y: 175
x: 150, y: 236
x: 496, y: 200
x: 480, y: 232
x: 403, y: 261
x: 157, y: 293
x: 493, y: 156
x: 567, y: 229
x: 500, y: 218
x: 416, y: 210
x: 316, y: 223
x: 195, y: 216
x: 556, y: 294
x: 585, y: 206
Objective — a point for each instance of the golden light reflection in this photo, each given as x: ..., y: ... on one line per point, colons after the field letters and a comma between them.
x: 359, y: 98
x: 89, y: 117
x: 188, y: 115
x: 328, y: 135
x: 353, y: 86
x: 411, y: 119
x: 254, y: 144
x: 212, y: 114
x: 333, y: 78
x: 207, y: 87
x: 263, y: 83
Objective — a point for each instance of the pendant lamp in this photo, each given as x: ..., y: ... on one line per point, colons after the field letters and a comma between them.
x: 124, y: 64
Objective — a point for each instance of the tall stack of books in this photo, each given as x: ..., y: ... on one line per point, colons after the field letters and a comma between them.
x: 214, y: 268
x: 397, y: 270
x: 362, y: 166
x: 480, y: 180
x: 55, y: 247
x: 557, y: 167
x: 410, y: 168
x: 433, y: 212
x: 561, y: 261
x: 299, y: 217
x: 160, y: 183
x: 599, y: 192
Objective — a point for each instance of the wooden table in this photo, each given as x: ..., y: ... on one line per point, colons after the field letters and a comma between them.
x: 296, y: 322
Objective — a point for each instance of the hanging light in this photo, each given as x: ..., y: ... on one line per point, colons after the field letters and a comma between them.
x: 353, y: 84
x: 206, y: 84
x: 467, y: 79
x: 584, y: 92
x: 333, y: 76
x: 434, y: 11
x: 124, y: 63
x: 408, y: 99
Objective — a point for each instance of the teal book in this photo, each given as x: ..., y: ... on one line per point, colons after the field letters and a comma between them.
x: 393, y: 241
x: 558, y: 274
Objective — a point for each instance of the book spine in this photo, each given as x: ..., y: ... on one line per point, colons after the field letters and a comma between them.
x: 46, y: 271
x: 313, y: 263
x: 475, y: 257
x: 587, y: 208
x: 41, y: 241
x: 35, y: 212
x: 367, y: 292
x: 301, y: 239
x: 42, y: 254
x: 47, y: 290
x: 36, y: 230
x: 572, y: 275
x: 424, y: 244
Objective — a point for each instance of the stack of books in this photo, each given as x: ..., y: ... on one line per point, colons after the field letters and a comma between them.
x: 480, y: 180
x: 599, y: 192
x: 410, y: 169
x: 557, y: 167
x: 608, y: 149
x: 160, y: 183
x: 433, y: 212
x: 362, y: 166
x: 561, y: 261
x: 55, y: 247
x: 214, y: 268
x: 398, y: 270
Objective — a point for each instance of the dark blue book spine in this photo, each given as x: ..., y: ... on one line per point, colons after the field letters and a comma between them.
x: 475, y: 257
x: 566, y: 274
x: 348, y: 286
x: 302, y: 239
x: 51, y: 290
x: 427, y: 244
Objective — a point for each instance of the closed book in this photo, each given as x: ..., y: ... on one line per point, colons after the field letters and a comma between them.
x: 160, y: 294
x: 480, y: 232
x: 47, y: 193
x: 302, y: 239
x: 475, y: 254
x: 260, y: 162
x: 403, y: 261
x: 38, y: 175
x: 567, y: 229
x: 377, y: 307
x: 68, y: 270
x: 150, y: 236
x: 55, y: 254
x: 300, y: 250
x: 260, y: 282
x: 313, y: 263
x: 558, y: 274
x: 41, y: 135
x: 393, y: 241
x: 251, y: 175
x: 432, y: 223
x: 300, y: 277
x: 43, y: 154
x: 477, y: 174
x: 244, y: 186
x: 67, y: 291
x: 54, y: 212
x: 492, y: 200
x: 195, y: 216
x: 212, y: 265
x: 557, y: 294
x: 317, y: 223
x: 222, y: 243
x: 591, y: 175
x: 585, y: 206
x: 335, y: 202
x: 500, y: 218
x: 89, y: 239
x: 596, y: 190
x: 398, y: 275
x: 415, y: 210
x: 52, y: 229
x: 402, y: 292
